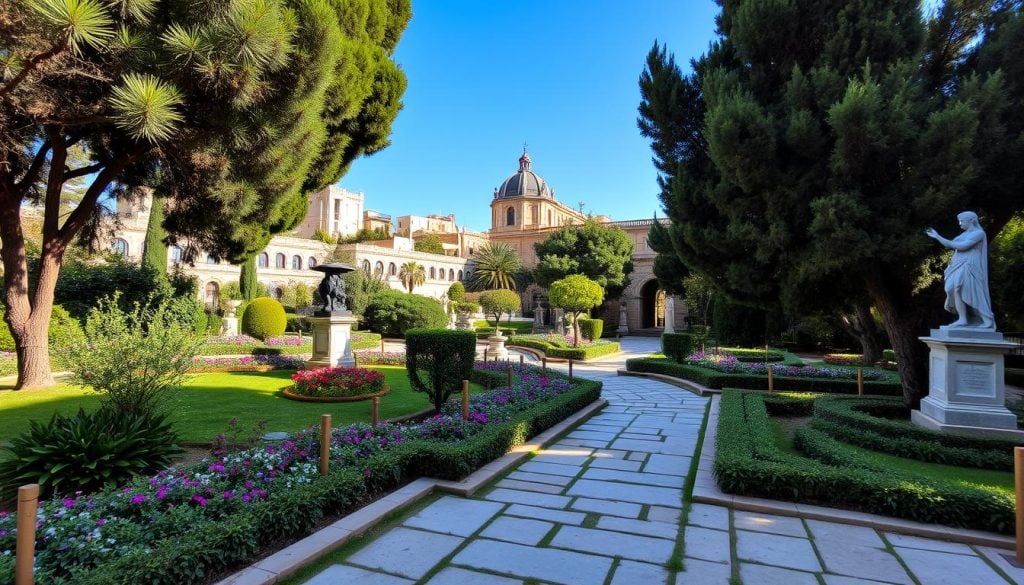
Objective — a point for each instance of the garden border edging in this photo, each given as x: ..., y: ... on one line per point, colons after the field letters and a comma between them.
x: 706, y: 491
x: 290, y: 559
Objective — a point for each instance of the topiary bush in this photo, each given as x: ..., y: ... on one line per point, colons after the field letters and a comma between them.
x: 264, y: 317
x: 677, y: 346
x: 591, y: 329
x: 393, y: 312
x: 445, y: 356
x: 88, y: 451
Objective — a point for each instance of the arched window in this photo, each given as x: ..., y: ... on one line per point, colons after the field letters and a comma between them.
x: 211, y: 259
x: 279, y: 260
x: 263, y: 261
x: 278, y: 293
x: 451, y: 274
x: 120, y: 245
x: 460, y: 276
x: 311, y: 263
x: 212, y: 296
x: 378, y: 269
x: 510, y: 216
x: 366, y: 266
x: 175, y: 254
x: 296, y: 262
x: 392, y: 269
x: 433, y: 274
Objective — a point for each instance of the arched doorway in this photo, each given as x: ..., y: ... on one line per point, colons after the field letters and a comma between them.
x: 652, y: 307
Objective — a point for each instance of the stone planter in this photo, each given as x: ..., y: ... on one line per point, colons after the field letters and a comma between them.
x: 287, y: 393
x: 496, y: 347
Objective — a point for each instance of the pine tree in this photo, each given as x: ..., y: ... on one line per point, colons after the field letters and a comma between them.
x: 234, y: 111
x: 809, y: 149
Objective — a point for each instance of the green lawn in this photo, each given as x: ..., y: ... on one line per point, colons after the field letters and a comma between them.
x: 204, y: 406
x: 1000, y: 481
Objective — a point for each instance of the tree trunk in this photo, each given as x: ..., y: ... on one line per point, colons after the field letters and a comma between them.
x: 861, y: 324
x: 904, y: 321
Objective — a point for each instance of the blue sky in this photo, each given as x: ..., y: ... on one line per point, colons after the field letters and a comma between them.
x: 560, y: 75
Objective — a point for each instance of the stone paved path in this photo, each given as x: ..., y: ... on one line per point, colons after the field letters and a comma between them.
x: 605, y: 505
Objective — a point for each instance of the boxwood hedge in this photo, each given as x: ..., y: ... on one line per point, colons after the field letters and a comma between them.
x: 748, y: 462
x: 718, y: 380
x: 598, y: 349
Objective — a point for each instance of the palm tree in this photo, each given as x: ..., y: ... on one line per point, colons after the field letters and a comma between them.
x: 412, y: 274
x: 496, y: 267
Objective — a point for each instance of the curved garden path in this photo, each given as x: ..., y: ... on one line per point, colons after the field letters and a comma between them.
x: 609, y: 503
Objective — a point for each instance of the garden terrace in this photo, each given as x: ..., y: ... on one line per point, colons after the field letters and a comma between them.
x: 193, y: 524
x: 755, y: 457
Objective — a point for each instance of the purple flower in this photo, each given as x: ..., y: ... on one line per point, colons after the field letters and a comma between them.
x: 68, y: 503
x: 138, y: 499
x: 101, y: 522
x: 200, y: 500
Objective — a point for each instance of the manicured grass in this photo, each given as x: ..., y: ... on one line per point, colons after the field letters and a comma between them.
x: 204, y: 406
x: 999, y: 481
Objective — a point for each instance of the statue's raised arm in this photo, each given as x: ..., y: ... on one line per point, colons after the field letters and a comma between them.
x: 966, y: 277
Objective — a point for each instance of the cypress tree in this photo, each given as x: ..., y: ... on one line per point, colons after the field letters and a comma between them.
x: 805, y: 155
x: 154, y: 249
x: 247, y: 279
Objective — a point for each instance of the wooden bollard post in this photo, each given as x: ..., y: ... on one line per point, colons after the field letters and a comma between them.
x: 510, y: 376
x: 382, y: 347
x: 520, y: 359
x: 485, y: 355
x: 771, y: 379
x: 25, y: 551
x: 544, y: 367
x: 375, y: 411
x: 325, y: 443
x: 1018, y: 480
x: 766, y: 354
x: 570, y: 369
x: 860, y: 381
x: 465, y: 400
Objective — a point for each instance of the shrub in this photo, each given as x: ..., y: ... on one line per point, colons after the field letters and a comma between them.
x: 790, y: 403
x: 591, y: 329
x: 88, y: 451
x: 65, y: 331
x: 497, y: 302
x: 1014, y: 376
x: 746, y: 354
x: 457, y: 292
x: 214, y: 323
x: 393, y: 312
x: 677, y: 346
x: 337, y: 382
x: 264, y: 317
x: 132, y: 358
x: 445, y: 356
x: 888, y: 355
x: 845, y: 359
x: 594, y: 350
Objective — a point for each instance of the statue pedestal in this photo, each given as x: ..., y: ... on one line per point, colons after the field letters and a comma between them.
x: 623, y: 324
x: 332, y: 340
x: 229, y: 326
x: 496, y: 347
x: 965, y: 384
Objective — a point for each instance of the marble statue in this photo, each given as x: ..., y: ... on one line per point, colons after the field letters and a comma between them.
x: 670, y: 314
x: 966, y: 277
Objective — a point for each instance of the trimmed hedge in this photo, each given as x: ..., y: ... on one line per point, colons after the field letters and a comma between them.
x: 746, y: 354
x: 790, y: 403
x: 678, y: 346
x: 1014, y: 376
x: 591, y: 329
x: 445, y: 356
x: 484, y: 326
x: 572, y: 353
x: 718, y: 380
x: 890, y: 419
x: 748, y: 462
x: 264, y: 317
x: 393, y: 312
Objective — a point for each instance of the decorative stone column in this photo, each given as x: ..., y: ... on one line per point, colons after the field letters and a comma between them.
x: 965, y: 383
x: 229, y: 326
x: 623, y: 321
x: 496, y: 347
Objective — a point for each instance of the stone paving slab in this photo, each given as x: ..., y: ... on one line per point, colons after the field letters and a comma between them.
x: 561, y: 480
x: 905, y: 541
x: 528, y: 498
x: 668, y: 464
x: 708, y: 516
x: 707, y: 544
x: 699, y: 572
x: 603, y: 542
x: 406, y: 552
x: 550, y: 468
x: 765, y: 575
x: 661, y: 514
x: 336, y: 574
x: 844, y: 533
x: 618, y: 464
x: 632, y: 477
x: 608, y: 507
x: 775, y: 549
x: 518, y: 530
x: 608, y: 490
x: 641, y: 527
x: 457, y: 576
x: 860, y: 561
x: 457, y: 516
x: 634, y: 573
x: 559, y: 566
x: 785, y: 525
x: 944, y: 568
x: 529, y: 486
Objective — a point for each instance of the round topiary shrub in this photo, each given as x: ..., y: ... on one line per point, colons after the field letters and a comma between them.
x: 393, y: 312
x: 264, y: 317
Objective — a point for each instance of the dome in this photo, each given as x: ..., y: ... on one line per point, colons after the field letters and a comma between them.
x: 523, y: 183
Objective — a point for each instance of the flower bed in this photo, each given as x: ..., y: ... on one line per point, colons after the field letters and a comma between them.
x: 245, y: 363
x: 243, y: 344
x: 746, y: 354
x: 377, y: 358
x: 191, y: 524
x: 845, y: 359
x: 731, y: 365
x: 560, y: 346
x: 338, y: 382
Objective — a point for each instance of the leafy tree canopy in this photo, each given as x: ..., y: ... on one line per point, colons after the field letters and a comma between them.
x: 233, y: 111
x: 806, y: 153
x: 430, y: 244
x: 576, y: 294
x: 497, y: 302
x: 601, y: 253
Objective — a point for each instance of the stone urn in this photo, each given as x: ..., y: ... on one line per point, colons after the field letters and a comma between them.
x: 233, y: 305
x: 496, y: 346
